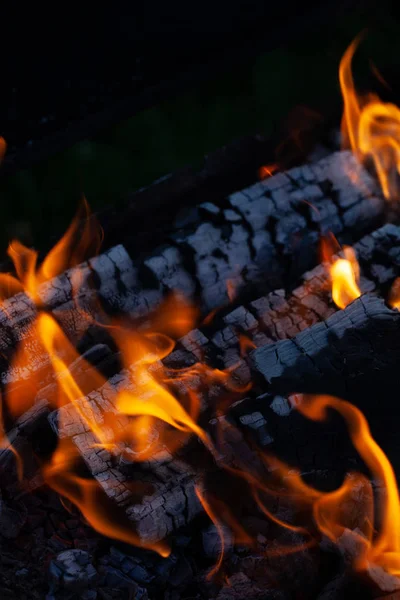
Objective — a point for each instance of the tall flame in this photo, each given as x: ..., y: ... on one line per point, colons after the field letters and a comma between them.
x: 370, y: 127
x: 81, y: 240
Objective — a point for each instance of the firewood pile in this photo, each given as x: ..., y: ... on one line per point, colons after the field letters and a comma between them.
x: 202, y: 504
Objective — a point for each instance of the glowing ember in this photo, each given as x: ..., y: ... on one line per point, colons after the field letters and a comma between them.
x: 394, y: 295
x: 246, y: 345
x: 267, y: 171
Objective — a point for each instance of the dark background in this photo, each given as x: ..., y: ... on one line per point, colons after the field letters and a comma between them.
x: 103, y: 103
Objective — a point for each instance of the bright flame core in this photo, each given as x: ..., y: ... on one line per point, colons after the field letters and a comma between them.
x: 345, y: 275
x: 344, y: 272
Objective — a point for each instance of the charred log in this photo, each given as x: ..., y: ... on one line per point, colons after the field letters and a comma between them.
x: 267, y: 234
x: 262, y: 238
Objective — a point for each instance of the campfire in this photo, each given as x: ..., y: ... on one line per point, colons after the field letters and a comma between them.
x: 215, y: 419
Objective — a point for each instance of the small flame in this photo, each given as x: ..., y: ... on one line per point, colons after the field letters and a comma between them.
x: 345, y: 275
x: 344, y: 272
x: 87, y: 495
x: 394, y: 294
x: 82, y: 239
x: 246, y: 345
x: 379, y: 76
x: 267, y: 171
x: 232, y: 287
x: 370, y: 127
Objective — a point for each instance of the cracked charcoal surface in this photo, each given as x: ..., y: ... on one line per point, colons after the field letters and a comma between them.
x: 332, y: 356
x: 271, y: 318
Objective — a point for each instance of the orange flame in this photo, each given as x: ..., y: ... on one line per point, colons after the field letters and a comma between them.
x: 371, y: 127
x: 149, y: 401
x: 394, y: 294
x: 383, y: 549
x: 267, y: 170
x: 246, y: 345
x: 82, y: 239
x: 345, y: 275
x: 86, y: 494
x: 209, y: 511
x: 344, y: 272
x: 161, y: 406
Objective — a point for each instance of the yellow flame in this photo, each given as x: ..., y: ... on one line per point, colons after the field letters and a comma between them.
x: 81, y: 240
x: 344, y: 272
x: 345, y: 275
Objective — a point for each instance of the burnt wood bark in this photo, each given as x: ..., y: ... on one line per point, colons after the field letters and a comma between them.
x: 171, y: 502
x: 356, y: 343
x: 256, y: 229
x: 158, y: 495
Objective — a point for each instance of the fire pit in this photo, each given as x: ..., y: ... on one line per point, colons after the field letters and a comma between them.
x: 193, y: 420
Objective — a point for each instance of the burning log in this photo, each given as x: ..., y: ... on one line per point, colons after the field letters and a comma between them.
x: 276, y: 317
x: 75, y: 298
x: 267, y: 235
x: 142, y: 452
x: 167, y: 476
x: 159, y: 496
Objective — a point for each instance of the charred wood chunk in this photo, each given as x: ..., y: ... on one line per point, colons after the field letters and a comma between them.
x: 332, y: 357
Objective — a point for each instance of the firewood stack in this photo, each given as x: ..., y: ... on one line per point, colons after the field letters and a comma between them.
x: 252, y: 261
